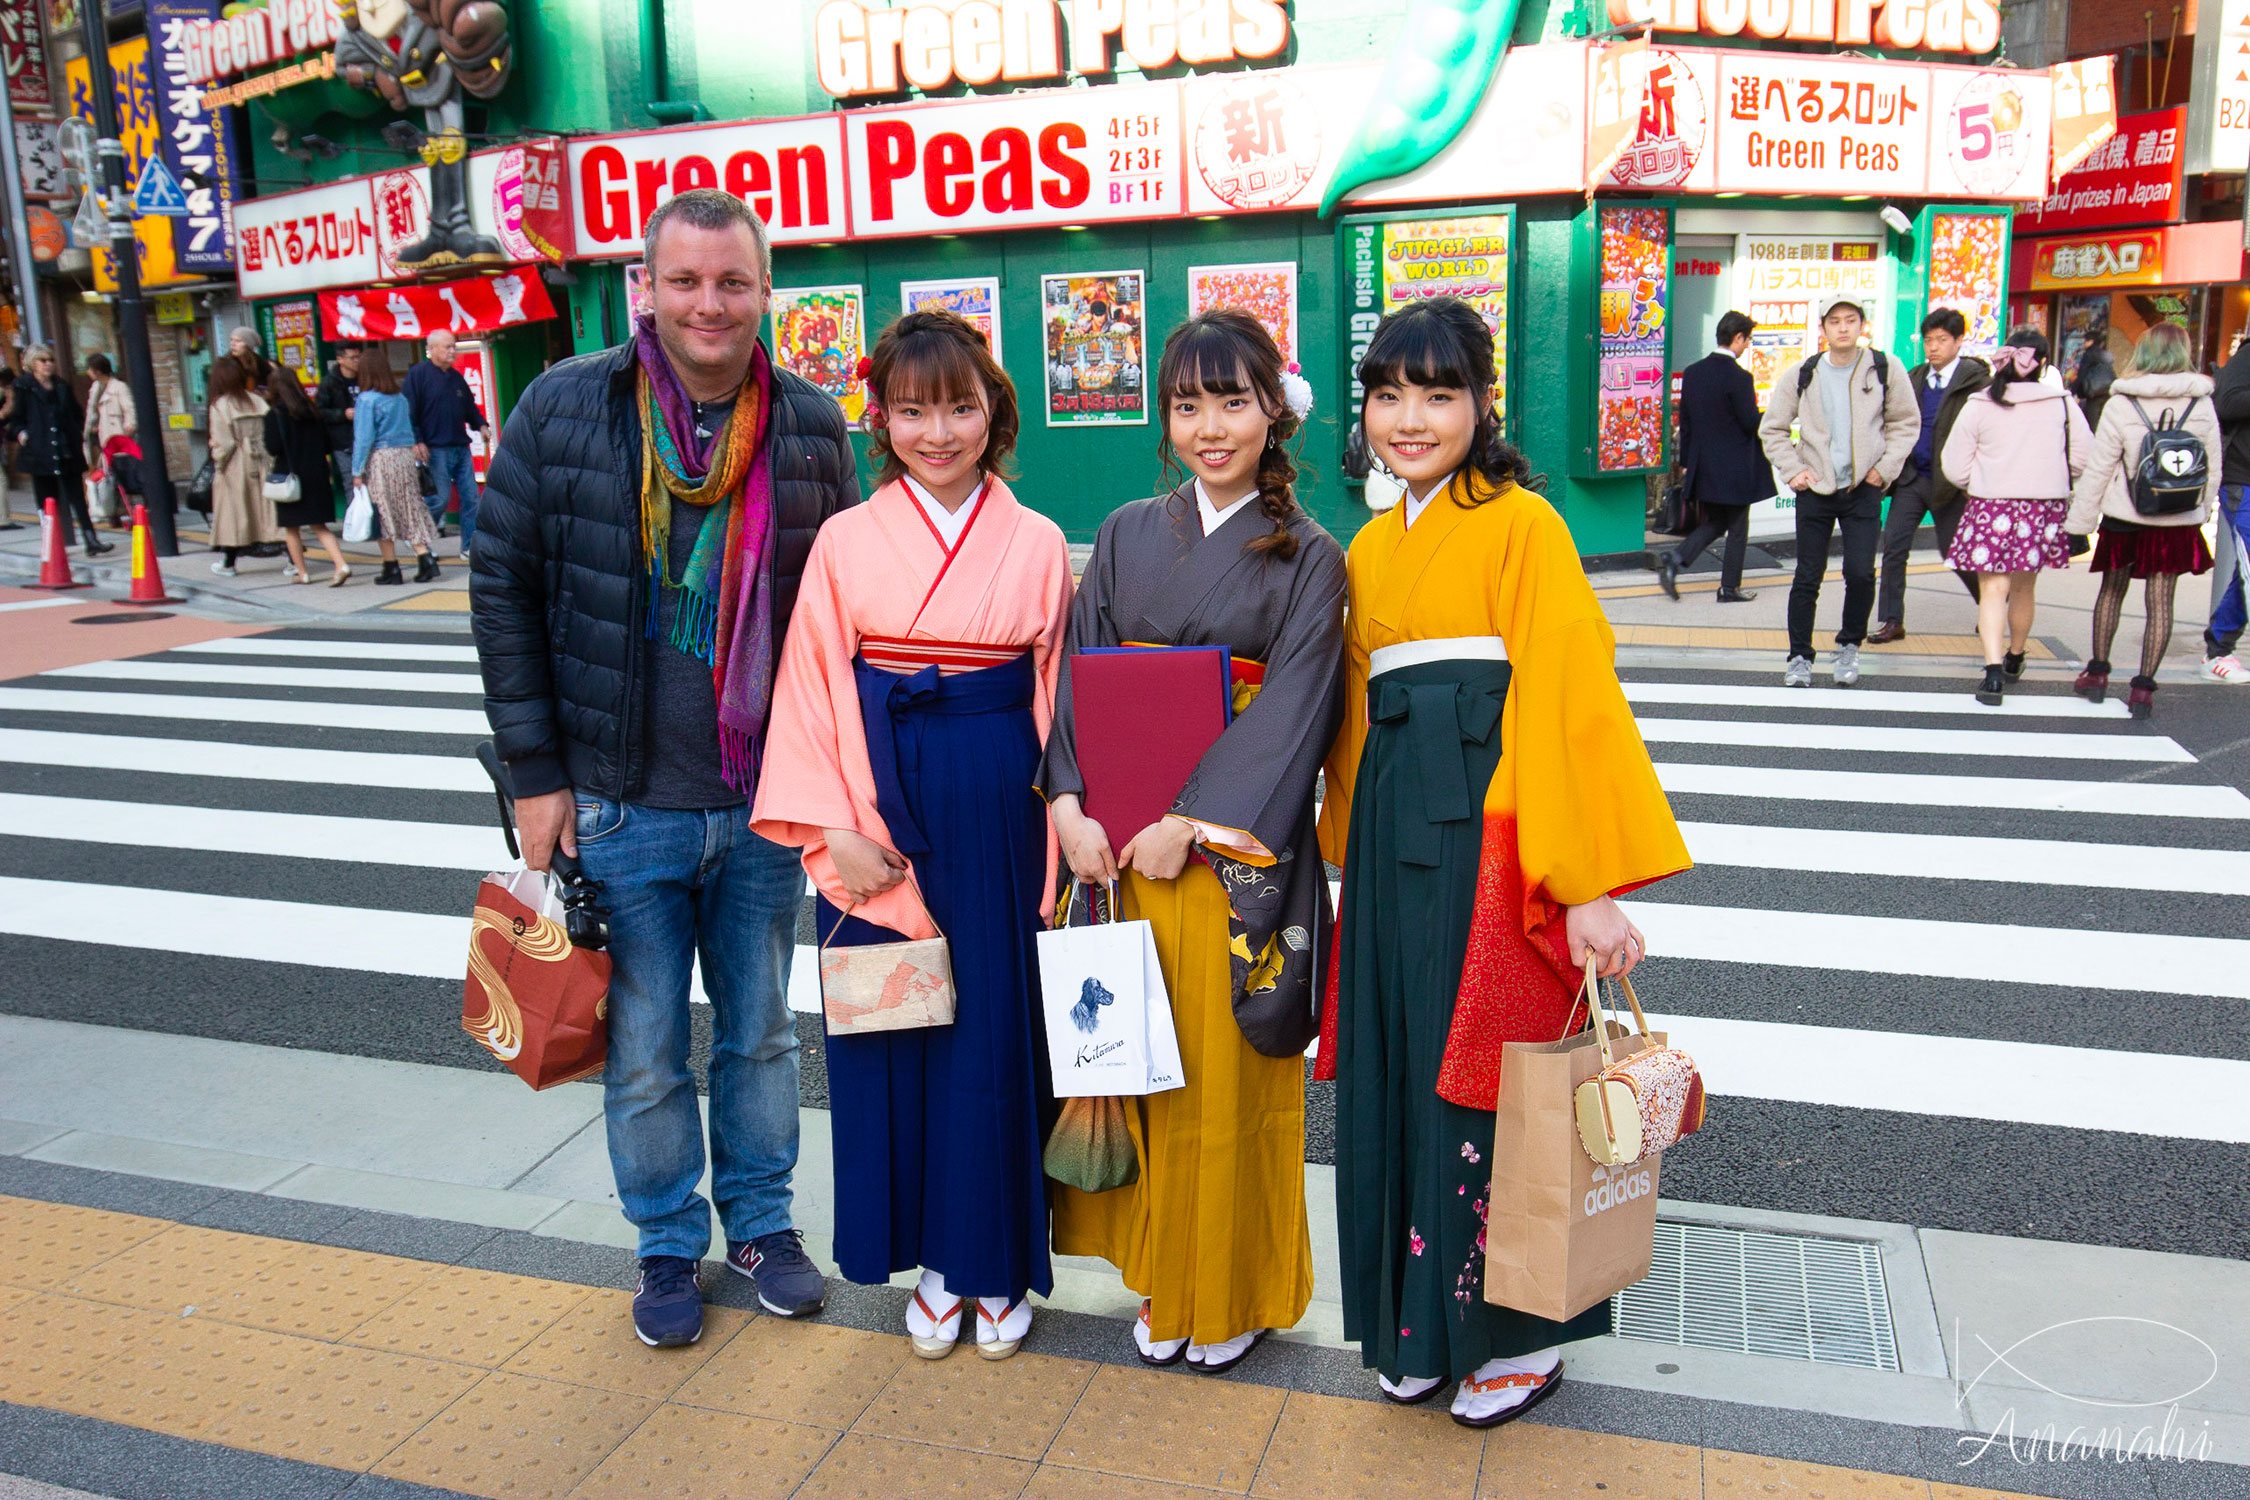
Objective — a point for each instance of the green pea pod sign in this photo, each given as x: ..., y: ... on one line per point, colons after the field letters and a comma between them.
x: 1448, y: 51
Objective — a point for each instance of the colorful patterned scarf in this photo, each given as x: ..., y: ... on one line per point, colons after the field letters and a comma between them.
x: 724, y: 597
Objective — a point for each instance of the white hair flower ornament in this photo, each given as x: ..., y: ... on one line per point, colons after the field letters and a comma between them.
x: 1297, y: 391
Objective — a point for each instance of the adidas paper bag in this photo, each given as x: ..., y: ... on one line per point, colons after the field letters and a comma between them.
x: 1109, y: 1017
x: 1561, y: 1233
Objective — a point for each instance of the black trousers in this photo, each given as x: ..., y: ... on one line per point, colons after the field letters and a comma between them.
x: 1910, y: 501
x: 1859, y: 512
x: 70, y: 491
x: 1714, y: 521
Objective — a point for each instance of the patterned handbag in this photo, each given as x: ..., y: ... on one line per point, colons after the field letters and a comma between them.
x: 898, y: 986
x: 1638, y: 1105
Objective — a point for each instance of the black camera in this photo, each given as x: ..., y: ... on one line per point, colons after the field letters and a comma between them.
x: 585, y: 917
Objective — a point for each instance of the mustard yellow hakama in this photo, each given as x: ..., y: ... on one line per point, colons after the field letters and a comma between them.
x: 1213, y: 1232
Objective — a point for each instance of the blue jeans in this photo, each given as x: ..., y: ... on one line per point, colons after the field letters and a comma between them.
x: 454, y: 474
x: 2227, y: 616
x: 681, y: 883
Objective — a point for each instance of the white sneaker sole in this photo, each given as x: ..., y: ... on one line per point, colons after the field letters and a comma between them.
x: 653, y: 1344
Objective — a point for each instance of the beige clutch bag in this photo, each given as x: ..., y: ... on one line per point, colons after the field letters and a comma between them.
x: 1637, y: 1105
x: 874, y: 987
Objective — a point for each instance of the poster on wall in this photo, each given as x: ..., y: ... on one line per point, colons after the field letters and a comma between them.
x: 1629, y: 403
x: 975, y: 298
x: 1267, y: 291
x: 639, y: 301
x: 294, y: 340
x: 1779, y: 278
x: 1969, y: 272
x: 198, y: 143
x: 1095, y: 325
x: 819, y: 333
x: 1464, y: 257
x: 2081, y: 322
x: 473, y: 358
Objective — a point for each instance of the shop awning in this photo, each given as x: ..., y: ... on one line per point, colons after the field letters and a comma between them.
x: 474, y: 304
x: 2169, y: 255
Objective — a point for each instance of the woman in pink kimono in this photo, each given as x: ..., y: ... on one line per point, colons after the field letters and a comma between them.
x: 914, y: 693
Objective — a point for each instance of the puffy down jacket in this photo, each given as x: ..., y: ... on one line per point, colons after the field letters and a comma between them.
x: 556, y: 580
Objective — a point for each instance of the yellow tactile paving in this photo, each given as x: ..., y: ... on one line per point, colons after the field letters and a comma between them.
x: 475, y: 1317
x: 1741, y: 1476
x: 687, y: 1453
x: 595, y: 1345
x: 512, y: 1435
x: 1009, y: 1406
x: 860, y: 1467
x: 45, y: 1243
x: 341, y: 1406
x: 1165, y: 1425
x: 47, y: 1342
x: 181, y: 1269
x: 798, y: 1372
x: 377, y: 1363
x: 1525, y: 1459
x: 1326, y: 1446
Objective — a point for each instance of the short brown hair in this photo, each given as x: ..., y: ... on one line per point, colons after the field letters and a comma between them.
x: 937, y: 355
x: 227, y: 378
x: 375, y: 372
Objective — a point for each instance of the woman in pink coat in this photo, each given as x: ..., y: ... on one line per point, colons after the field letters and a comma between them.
x: 2015, y: 450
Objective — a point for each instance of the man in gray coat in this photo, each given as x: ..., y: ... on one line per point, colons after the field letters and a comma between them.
x: 1838, y: 430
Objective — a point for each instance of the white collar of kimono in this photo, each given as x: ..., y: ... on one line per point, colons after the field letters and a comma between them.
x: 949, y: 523
x: 1416, y: 504
x: 1213, y: 517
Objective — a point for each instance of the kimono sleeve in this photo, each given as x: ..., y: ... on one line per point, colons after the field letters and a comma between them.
x: 1249, y: 791
x: 1591, y: 819
x: 1341, y: 768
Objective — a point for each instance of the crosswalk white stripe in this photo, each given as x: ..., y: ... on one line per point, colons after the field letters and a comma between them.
x: 216, y: 830
x: 1908, y: 789
x: 1869, y: 739
x: 16, y: 604
x: 2074, y: 1087
x: 392, y: 717
x: 266, y: 645
x: 1991, y: 951
x: 120, y: 752
x: 1867, y: 701
x: 2034, y: 1083
x: 203, y: 672
x: 1932, y: 856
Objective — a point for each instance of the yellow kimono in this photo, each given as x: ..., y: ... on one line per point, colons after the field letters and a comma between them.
x: 1487, y: 776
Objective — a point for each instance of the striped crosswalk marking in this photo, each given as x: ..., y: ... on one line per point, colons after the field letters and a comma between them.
x: 1864, y: 701
x: 199, y: 673
x: 1868, y: 739
x: 222, y: 830
x: 384, y: 716
x: 121, y: 752
x: 1907, y: 789
x: 1920, y: 856
x: 382, y: 651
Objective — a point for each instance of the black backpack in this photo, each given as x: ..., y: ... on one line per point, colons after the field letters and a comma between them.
x: 1806, y: 368
x: 2173, y: 470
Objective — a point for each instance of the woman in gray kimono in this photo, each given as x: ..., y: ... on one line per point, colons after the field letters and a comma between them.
x: 1212, y: 1234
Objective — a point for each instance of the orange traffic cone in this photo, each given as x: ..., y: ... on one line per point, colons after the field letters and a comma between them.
x: 148, y: 578
x: 54, y: 565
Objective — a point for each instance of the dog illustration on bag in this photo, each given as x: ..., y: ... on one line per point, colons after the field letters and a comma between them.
x: 1086, y: 1015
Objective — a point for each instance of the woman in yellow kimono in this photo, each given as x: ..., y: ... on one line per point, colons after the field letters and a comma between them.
x: 1487, y: 797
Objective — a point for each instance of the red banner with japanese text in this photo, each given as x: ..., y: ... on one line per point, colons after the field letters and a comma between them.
x: 482, y: 304
x: 2132, y: 178
x: 23, y: 53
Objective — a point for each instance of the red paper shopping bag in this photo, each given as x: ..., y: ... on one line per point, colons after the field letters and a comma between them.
x: 532, y: 999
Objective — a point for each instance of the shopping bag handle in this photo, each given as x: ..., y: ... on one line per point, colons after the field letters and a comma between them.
x: 912, y: 884
x: 1070, y: 899
x: 1594, y: 1014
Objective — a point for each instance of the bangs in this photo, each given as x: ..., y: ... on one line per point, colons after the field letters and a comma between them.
x: 1203, y: 359
x: 931, y: 368
x: 1416, y: 347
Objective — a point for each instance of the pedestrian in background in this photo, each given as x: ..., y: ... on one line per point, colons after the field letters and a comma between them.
x: 2228, y: 609
x: 2159, y: 387
x: 2096, y: 375
x: 336, y: 400
x: 109, y: 416
x: 51, y: 423
x: 634, y: 729
x: 1726, y: 468
x: 383, y: 460
x: 1856, y: 422
x: 298, y: 441
x: 241, y: 515
x: 245, y: 350
x: 444, y: 411
x: 2014, y: 450
x: 1944, y: 380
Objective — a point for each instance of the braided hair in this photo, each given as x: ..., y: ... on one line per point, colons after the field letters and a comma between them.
x: 1443, y: 342
x: 1227, y: 352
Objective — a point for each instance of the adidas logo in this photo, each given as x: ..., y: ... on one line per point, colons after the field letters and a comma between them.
x: 1617, y: 1185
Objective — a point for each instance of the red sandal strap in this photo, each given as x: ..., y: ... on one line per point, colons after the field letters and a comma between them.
x: 1509, y: 1383
x: 932, y: 1314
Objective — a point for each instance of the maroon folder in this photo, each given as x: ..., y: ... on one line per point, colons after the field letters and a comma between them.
x: 1144, y: 716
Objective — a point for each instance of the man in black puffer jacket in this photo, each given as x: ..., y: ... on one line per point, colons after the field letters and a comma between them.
x: 629, y: 705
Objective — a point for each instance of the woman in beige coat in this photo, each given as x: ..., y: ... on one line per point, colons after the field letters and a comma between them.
x: 2158, y: 386
x: 241, y: 515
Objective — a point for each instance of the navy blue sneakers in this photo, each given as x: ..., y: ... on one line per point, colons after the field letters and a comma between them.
x: 668, y: 1303
x: 789, y: 1284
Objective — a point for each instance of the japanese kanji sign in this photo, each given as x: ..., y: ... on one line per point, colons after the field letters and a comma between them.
x: 23, y: 53
x: 198, y: 143
x: 2132, y: 178
x: 1798, y: 123
x: 2218, y: 138
x: 296, y: 242
x: 137, y: 129
x: 479, y: 304
x: 2108, y: 260
x: 2085, y: 109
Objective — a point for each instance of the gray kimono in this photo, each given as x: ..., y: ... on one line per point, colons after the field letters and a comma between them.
x: 1155, y: 579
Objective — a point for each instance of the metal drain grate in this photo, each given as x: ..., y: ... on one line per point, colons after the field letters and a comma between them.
x: 1788, y: 1296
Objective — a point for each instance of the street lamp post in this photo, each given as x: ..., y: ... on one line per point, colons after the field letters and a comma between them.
x: 132, y: 319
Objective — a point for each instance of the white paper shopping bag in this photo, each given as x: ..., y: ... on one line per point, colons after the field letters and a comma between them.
x: 1094, y: 989
x: 1164, y: 1071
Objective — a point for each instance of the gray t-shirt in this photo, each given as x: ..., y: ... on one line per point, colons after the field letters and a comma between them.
x: 680, y: 723
x: 1836, y: 400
